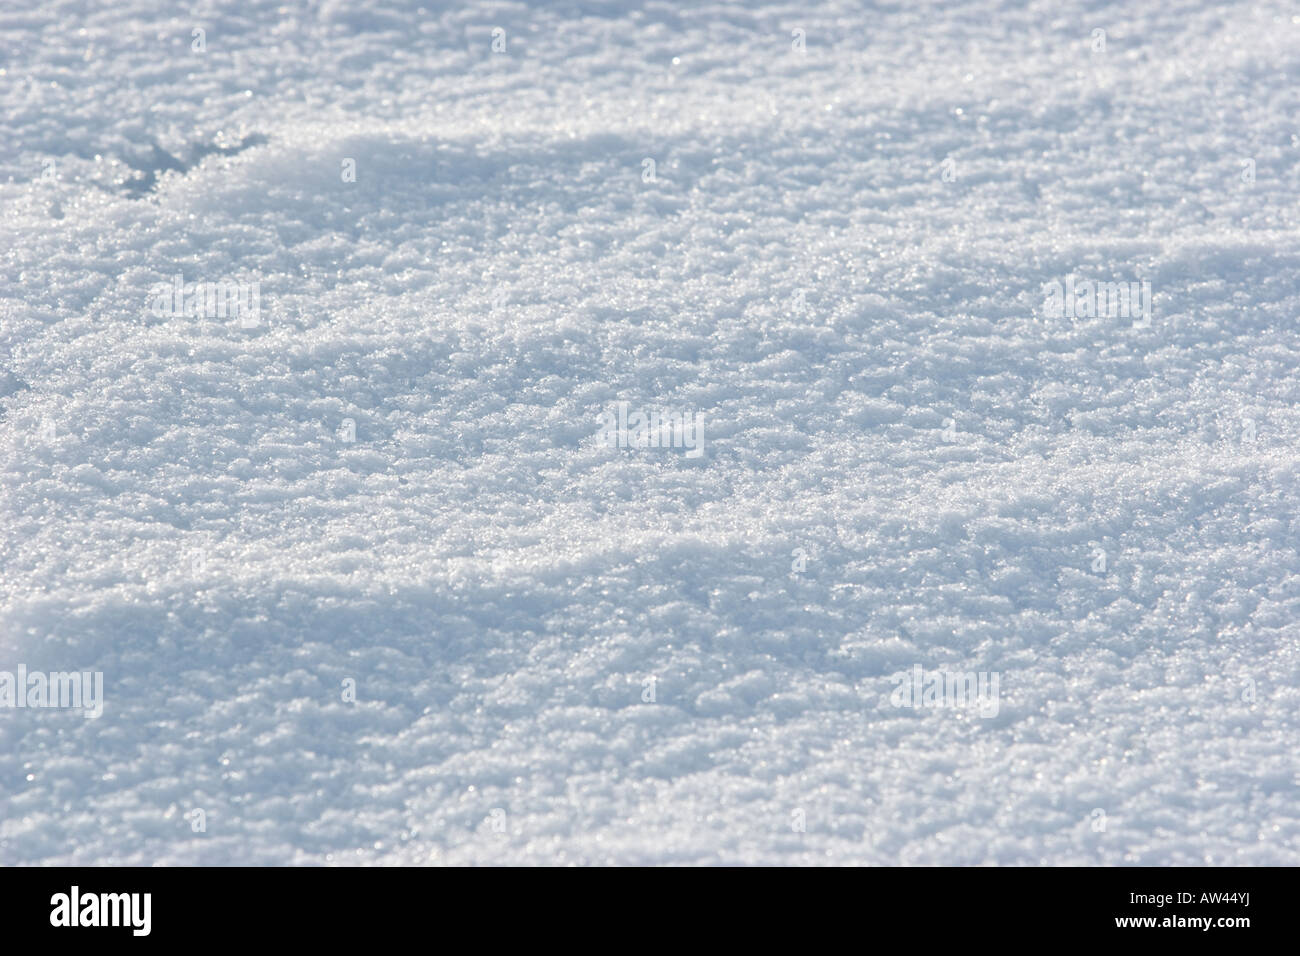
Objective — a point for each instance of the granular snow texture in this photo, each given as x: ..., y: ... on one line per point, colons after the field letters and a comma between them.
x: 567, y: 652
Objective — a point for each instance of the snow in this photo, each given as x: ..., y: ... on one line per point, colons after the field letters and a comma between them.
x: 570, y: 651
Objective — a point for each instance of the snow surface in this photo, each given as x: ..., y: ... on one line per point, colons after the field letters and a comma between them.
x: 499, y: 584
